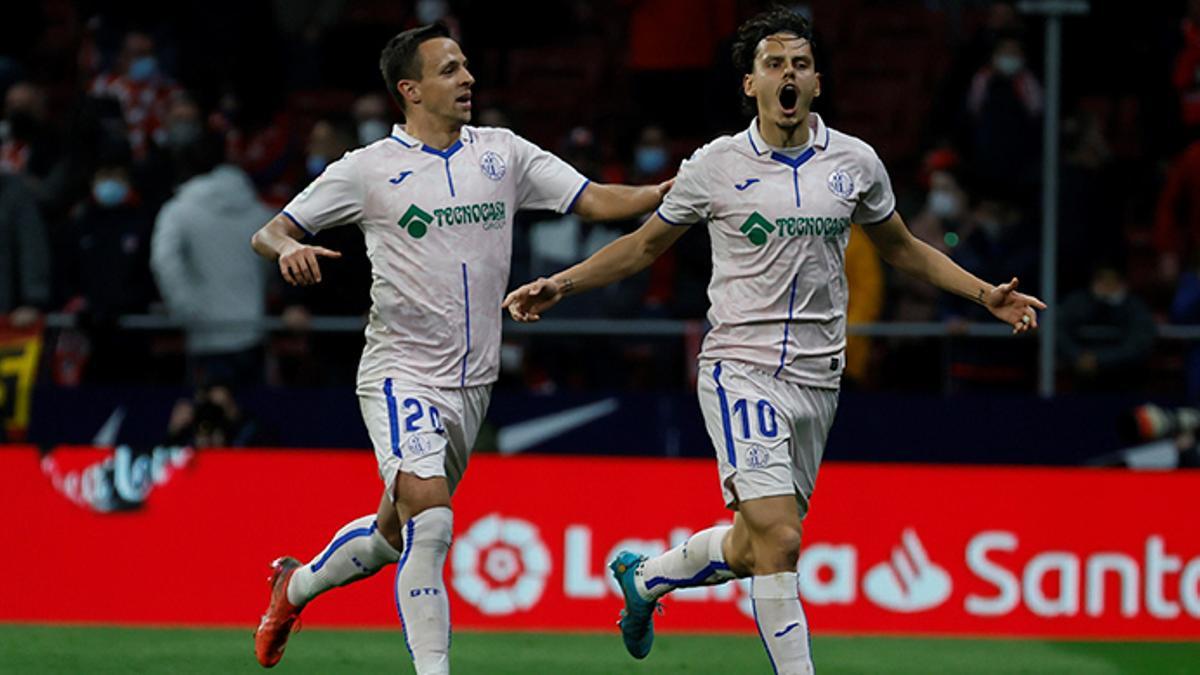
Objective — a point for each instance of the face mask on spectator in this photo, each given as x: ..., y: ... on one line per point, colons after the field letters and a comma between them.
x: 429, y: 11
x: 110, y: 192
x: 1111, y: 299
x: 143, y: 68
x: 315, y: 164
x: 370, y: 131
x: 650, y: 159
x: 993, y: 228
x: 944, y: 203
x: 180, y: 134
x: 1008, y: 64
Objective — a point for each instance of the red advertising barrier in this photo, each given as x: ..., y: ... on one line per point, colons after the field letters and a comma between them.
x: 888, y: 549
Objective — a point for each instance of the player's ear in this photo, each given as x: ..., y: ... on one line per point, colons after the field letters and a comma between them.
x: 817, y: 91
x: 748, y: 84
x: 410, y: 90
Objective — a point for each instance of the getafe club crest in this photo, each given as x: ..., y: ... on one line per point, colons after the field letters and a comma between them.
x: 492, y: 165
x: 841, y: 184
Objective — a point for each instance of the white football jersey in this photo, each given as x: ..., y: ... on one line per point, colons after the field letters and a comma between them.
x: 438, y: 230
x: 779, y: 221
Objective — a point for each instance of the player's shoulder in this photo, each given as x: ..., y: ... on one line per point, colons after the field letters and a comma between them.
x: 850, y: 144
x: 490, y: 136
x: 717, y: 152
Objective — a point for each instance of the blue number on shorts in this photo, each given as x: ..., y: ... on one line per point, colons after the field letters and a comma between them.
x: 413, y: 405
x: 768, y: 427
x: 435, y: 418
x: 771, y: 431
x: 739, y: 407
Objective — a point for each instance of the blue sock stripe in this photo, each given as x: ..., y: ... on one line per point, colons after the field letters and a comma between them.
x: 699, y: 577
x: 409, y: 528
x: 754, y: 610
x: 340, y: 542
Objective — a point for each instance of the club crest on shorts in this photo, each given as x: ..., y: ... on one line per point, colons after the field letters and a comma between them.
x: 841, y: 184
x: 417, y: 445
x: 492, y: 165
x: 757, y: 457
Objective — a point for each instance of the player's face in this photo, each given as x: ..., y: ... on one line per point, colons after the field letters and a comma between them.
x: 784, y: 81
x: 444, y: 89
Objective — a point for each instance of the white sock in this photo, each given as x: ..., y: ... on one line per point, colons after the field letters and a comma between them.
x: 357, y: 551
x: 696, y: 562
x: 421, y: 592
x: 781, y: 622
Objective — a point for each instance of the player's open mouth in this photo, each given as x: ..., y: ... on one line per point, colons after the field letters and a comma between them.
x: 464, y: 100
x: 789, y: 96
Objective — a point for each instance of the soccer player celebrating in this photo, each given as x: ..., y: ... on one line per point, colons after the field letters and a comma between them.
x: 779, y: 199
x: 435, y: 201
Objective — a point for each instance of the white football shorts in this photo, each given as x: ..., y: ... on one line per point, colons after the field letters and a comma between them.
x: 425, y: 431
x: 769, y: 434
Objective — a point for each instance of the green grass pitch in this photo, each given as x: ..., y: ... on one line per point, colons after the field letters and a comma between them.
x: 95, y: 650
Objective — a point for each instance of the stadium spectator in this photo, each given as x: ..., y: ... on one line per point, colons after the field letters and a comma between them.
x: 213, y: 419
x: 112, y: 232
x: 28, y: 144
x: 371, y: 115
x: 206, y: 275
x: 143, y: 91
x: 1004, y: 106
x: 1105, y: 334
x: 1177, y: 222
x: 1088, y: 202
x: 1186, y: 77
x: 24, y: 254
x: 327, y: 142
x: 1185, y: 309
x: 994, y: 240
x: 259, y: 140
x: 864, y: 278
x: 314, y: 359
x: 938, y: 223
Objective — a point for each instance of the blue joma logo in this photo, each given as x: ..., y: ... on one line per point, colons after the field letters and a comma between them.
x: 742, y: 186
x: 400, y: 178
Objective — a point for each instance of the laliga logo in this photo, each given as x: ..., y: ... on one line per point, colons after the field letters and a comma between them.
x: 909, y: 582
x: 500, y: 565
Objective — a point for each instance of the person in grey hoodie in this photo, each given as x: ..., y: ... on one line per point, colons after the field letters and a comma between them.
x: 208, y: 278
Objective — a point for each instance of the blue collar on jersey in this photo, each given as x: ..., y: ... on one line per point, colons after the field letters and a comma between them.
x: 403, y: 138
x: 816, y: 127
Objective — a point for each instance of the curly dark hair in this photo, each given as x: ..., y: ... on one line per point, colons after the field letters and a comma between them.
x: 749, y: 34
x: 400, y: 60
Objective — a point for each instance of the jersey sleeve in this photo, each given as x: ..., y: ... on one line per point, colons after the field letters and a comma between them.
x: 545, y: 182
x: 688, y: 201
x: 333, y: 198
x: 876, y: 202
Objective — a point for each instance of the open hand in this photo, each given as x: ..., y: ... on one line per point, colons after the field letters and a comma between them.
x: 299, y: 265
x: 1015, y: 309
x: 527, y: 303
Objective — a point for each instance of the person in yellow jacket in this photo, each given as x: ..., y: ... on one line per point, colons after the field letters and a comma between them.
x: 864, y: 275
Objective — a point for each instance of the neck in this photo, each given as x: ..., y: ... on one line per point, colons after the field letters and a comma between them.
x: 434, y: 132
x: 784, y: 137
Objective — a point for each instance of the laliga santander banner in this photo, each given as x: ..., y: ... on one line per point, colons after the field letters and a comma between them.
x: 888, y: 549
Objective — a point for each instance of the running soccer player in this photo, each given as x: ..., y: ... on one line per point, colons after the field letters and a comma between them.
x: 779, y: 199
x: 435, y: 202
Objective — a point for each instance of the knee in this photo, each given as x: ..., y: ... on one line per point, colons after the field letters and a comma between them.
x: 780, y: 547
x: 392, y: 535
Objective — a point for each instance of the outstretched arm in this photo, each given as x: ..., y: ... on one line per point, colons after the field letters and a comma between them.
x: 623, y: 257
x: 601, y: 201
x: 279, y: 240
x: 905, y: 252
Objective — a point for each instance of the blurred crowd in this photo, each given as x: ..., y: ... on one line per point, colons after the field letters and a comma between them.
x: 140, y: 147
